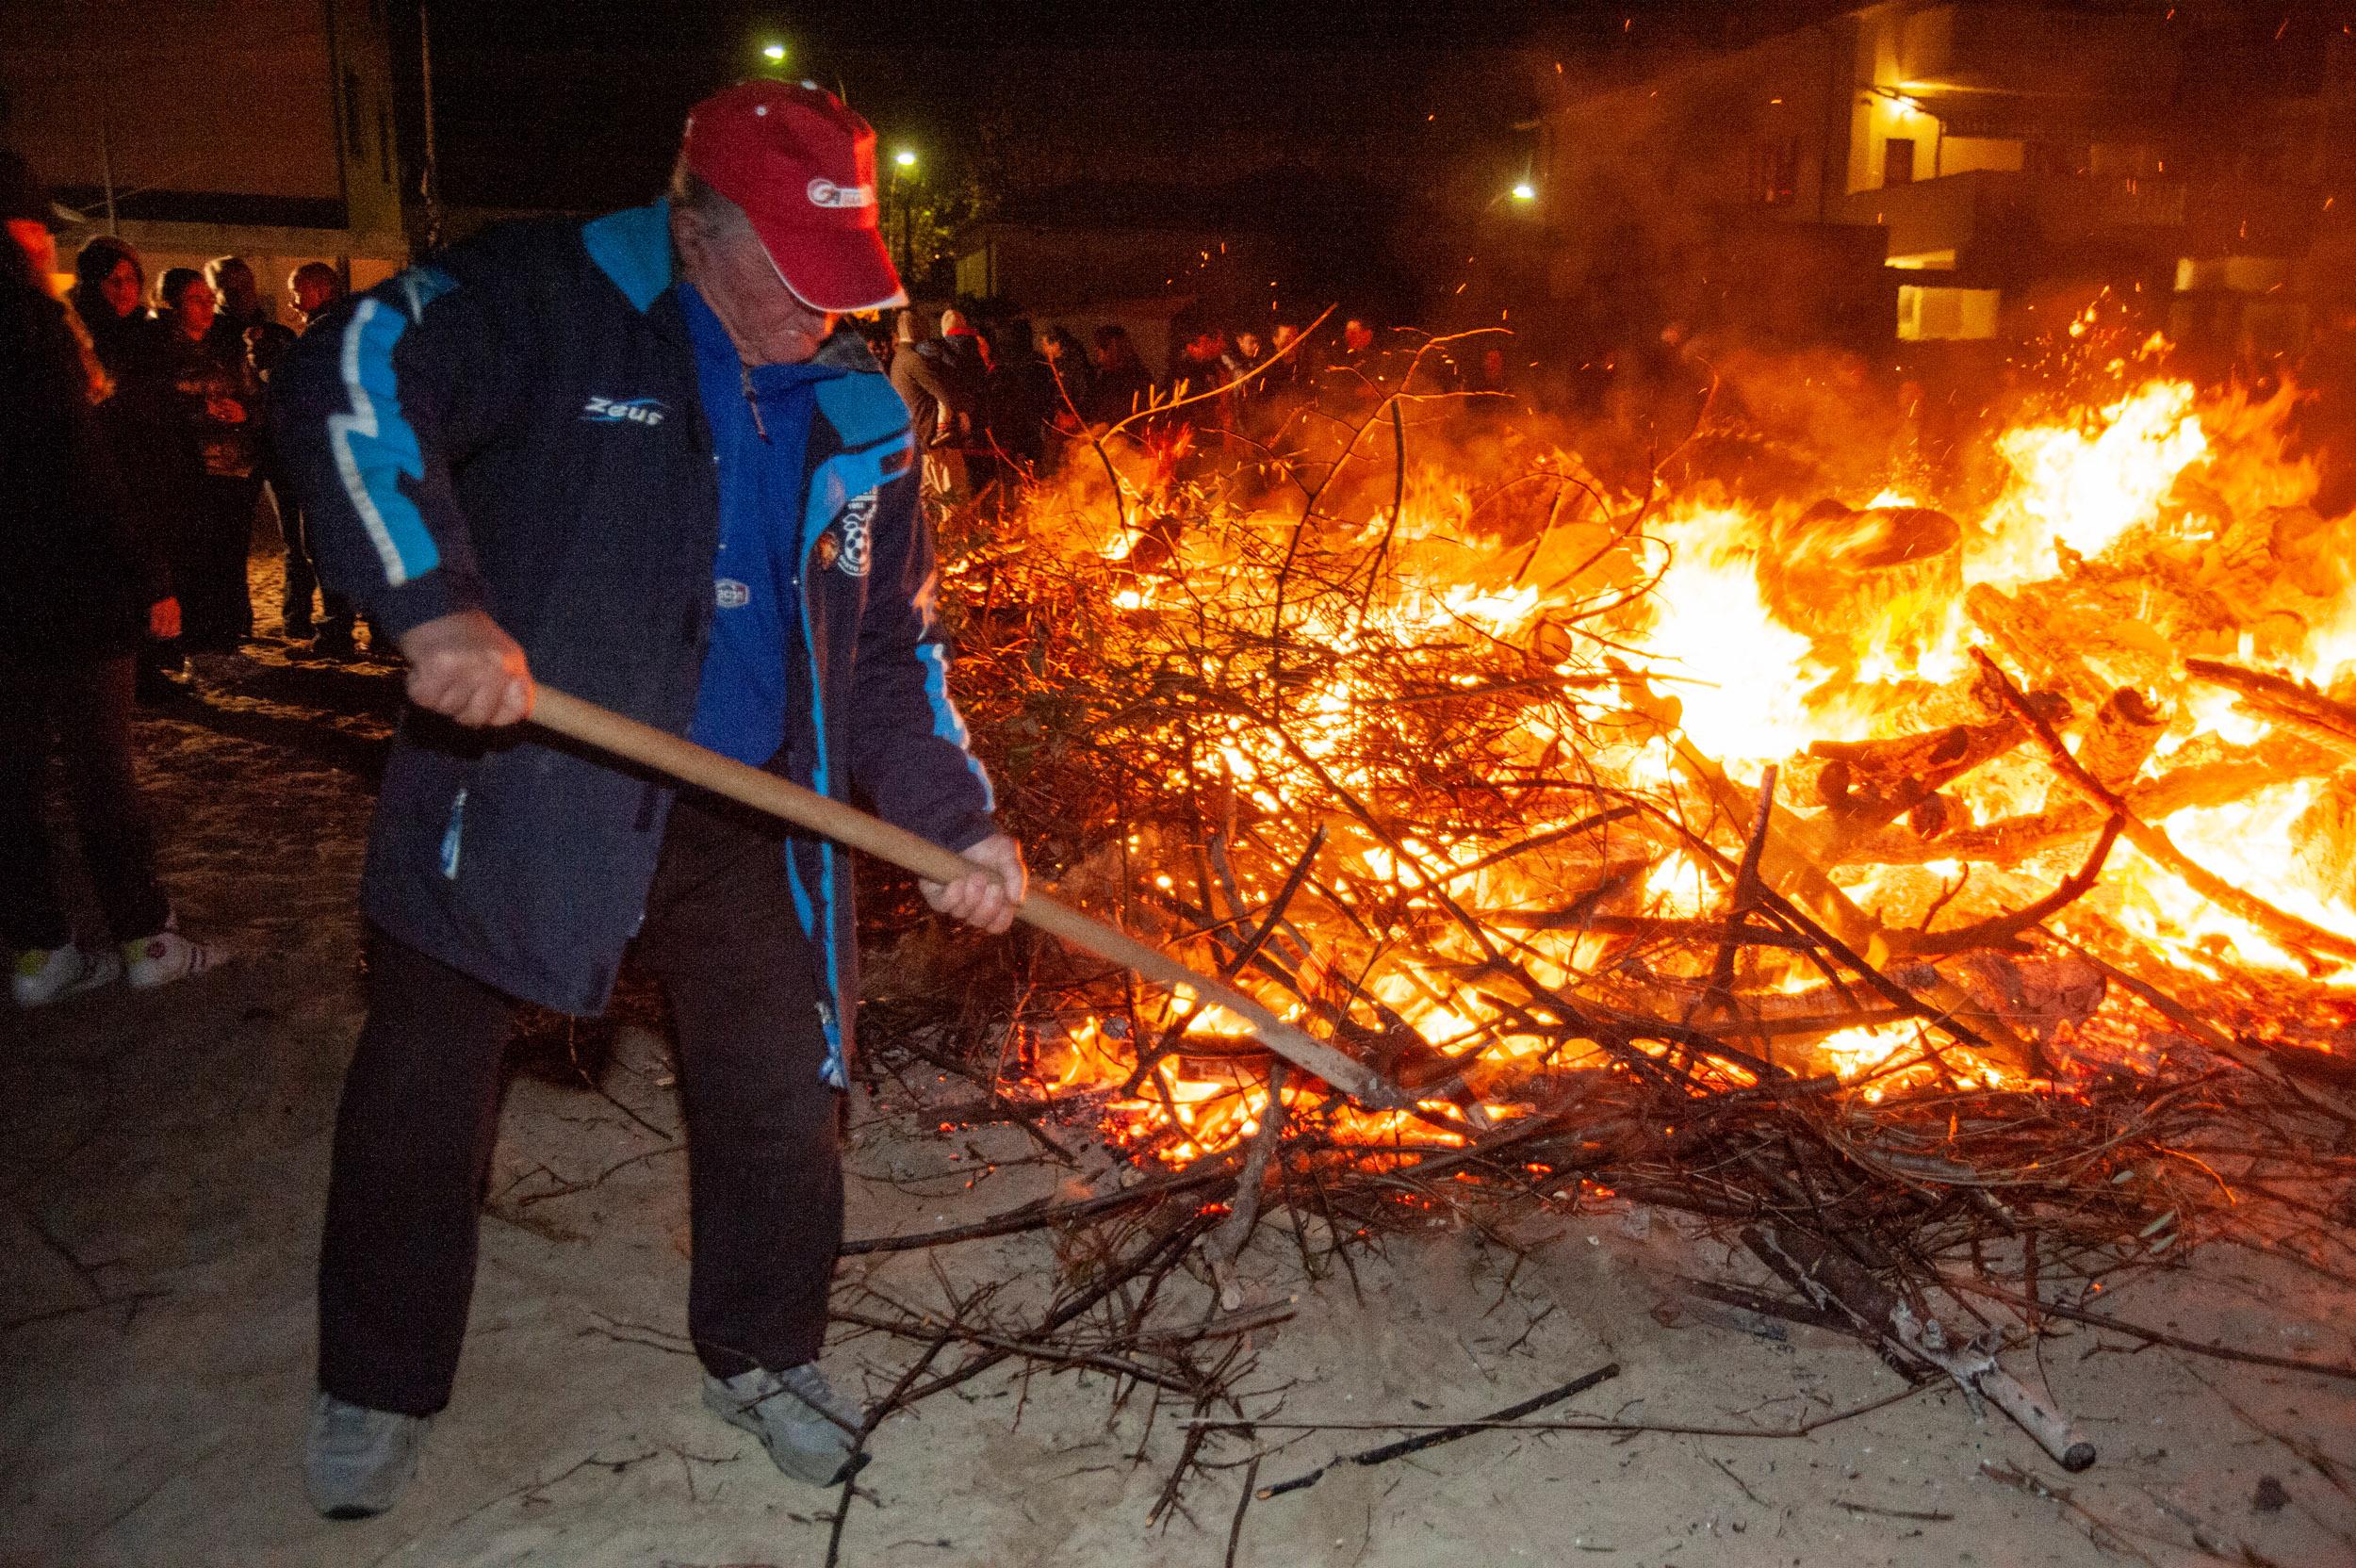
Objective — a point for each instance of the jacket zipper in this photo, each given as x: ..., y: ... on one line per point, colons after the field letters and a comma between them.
x: 753, y: 401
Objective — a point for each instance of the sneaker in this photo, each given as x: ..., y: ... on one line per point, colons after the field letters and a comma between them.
x: 356, y: 1461
x: 46, y: 974
x: 809, y: 1430
x: 166, y: 957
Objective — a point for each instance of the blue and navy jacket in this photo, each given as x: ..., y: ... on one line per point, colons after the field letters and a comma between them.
x: 515, y: 427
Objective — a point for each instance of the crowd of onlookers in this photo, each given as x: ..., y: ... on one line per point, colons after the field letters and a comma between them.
x: 180, y: 376
x: 1000, y: 399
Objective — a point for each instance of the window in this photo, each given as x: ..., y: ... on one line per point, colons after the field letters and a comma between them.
x: 1926, y: 315
x: 1898, y: 160
x: 1961, y: 154
x: 2231, y: 274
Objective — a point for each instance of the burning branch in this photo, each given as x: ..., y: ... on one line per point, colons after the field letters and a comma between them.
x: 2276, y: 922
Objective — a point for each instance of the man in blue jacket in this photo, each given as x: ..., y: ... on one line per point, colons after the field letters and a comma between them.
x: 631, y: 457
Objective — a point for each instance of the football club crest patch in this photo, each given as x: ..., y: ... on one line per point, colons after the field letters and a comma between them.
x: 856, y: 524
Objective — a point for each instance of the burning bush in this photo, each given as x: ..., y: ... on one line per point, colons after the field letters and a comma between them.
x: 1868, y: 874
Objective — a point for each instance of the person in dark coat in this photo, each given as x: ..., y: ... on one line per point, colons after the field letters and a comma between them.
x: 76, y: 595
x: 137, y: 414
x: 1067, y: 357
x: 963, y: 350
x: 961, y: 362
x: 109, y: 295
x: 1121, y: 383
x: 243, y: 327
x: 313, y: 286
x: 1202, y: 374
x: 211, y: 400
x: 640, y: 458
x: 1021, y: 398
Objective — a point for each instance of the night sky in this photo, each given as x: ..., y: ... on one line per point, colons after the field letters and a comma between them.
x: 577, y: 106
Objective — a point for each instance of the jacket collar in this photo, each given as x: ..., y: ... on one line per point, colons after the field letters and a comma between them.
x: 633, y: 249
x: 845, y: 349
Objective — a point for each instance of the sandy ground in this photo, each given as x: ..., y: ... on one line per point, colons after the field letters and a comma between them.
x: 167, y: 1153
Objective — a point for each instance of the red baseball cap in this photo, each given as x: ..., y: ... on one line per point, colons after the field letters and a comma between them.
x: 803, y: 167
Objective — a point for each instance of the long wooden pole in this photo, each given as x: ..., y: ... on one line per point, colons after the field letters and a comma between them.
x: 607, y: 730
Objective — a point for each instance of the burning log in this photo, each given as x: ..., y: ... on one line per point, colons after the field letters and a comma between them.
x: 2036, y: 646
x: 2324, y: 841
x: 1846, y: 576
x: 1867, y: 783
x: 2038, y: 995
x: 2121, y: 739
x: 2293, y: 705
x: 2010, y: 841
x: 2003, y: 930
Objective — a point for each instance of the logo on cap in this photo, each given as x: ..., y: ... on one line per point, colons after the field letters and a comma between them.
x: 826, y: 193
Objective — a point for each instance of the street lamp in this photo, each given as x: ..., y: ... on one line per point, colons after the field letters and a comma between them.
x: 1524, y: 191
x: 772, y: 53
x: 904, y: 170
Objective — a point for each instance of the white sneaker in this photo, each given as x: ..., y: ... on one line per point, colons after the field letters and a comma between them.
x: 45, y: 973
x: 166, y: 957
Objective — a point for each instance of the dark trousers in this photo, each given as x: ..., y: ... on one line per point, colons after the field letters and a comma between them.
x: 413, y: 1139
x: 84, y: 711
x: 303, y: 574
x: 209, y: 569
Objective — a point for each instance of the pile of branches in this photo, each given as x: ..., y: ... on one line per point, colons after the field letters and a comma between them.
x: 1209, y: 713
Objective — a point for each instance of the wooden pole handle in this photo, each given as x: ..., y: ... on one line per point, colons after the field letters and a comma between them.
x: 569, y: 716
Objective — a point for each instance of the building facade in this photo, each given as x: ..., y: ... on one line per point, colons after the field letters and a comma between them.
x: 1918, y: 171
x: 262, y: 128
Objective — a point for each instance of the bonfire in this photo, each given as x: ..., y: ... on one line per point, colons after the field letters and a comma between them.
x: 1944, y: 892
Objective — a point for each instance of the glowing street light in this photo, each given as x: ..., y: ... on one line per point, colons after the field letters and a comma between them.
x: 904, y: 190
x: 772, y: 53
x: 1524, y: 191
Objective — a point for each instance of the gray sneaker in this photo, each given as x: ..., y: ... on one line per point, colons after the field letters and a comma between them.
x: 807, y: 1427
x: 356, y: 1461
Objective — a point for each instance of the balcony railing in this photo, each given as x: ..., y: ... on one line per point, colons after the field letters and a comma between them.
x: 1955, y: 210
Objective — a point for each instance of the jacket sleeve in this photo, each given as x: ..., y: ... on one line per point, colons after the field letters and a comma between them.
x: 910, y: 749
x: 372, y: 410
